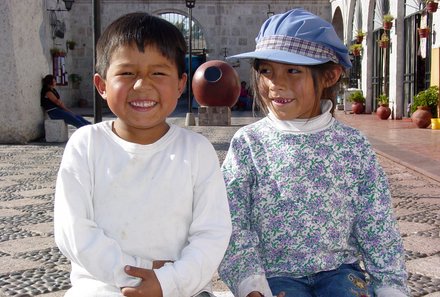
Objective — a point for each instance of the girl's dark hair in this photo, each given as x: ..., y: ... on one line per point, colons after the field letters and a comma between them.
x: 46, y: 83
x: 318, y: 72
x: 141, y: 29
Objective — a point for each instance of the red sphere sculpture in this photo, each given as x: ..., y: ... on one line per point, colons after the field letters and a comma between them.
x: 216, y: 83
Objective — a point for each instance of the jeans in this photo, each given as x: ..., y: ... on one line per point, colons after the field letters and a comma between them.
x: 68, y: 117
x: 346, y: 281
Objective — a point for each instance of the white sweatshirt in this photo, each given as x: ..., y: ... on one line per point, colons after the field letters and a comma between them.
x: 118, y: 203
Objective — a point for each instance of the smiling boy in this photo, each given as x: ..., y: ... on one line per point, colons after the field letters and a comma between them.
x: 140, y: 205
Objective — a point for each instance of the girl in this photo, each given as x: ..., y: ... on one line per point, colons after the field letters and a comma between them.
x: 310, y: 204
x: 55, y: 108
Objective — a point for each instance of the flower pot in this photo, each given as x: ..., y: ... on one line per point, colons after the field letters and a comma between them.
x: 422, y: 117
x: 359, y: 39
x: 383, y: 112
x: 435, y: 123
x: 387, y: 25
x: 423, y: 32
x: 384, y: 44
x: 356, y: 52
x: 431, y: 7
x: 357, y: 107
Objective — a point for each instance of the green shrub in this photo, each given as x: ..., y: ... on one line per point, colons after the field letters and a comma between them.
x: 428, y: 97
x: 356, y: 96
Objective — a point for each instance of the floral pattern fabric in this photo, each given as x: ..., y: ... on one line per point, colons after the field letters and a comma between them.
x: 302, y: 203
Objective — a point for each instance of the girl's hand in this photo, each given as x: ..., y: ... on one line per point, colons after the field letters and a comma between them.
x: 149, y: 287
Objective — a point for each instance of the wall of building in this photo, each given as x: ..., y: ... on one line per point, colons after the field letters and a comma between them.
x: 27, y: 38
x: 23, y: 63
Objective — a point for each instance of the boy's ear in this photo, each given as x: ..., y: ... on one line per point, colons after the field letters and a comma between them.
x: 100, y: 85
x: 182, y: 83
x: 332, y: 76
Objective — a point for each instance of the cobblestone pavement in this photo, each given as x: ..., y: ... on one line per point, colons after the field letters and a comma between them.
x: 31, y: 265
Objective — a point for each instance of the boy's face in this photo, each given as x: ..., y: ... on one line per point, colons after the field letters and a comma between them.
x: 288, y: 90
x: 142, y: 90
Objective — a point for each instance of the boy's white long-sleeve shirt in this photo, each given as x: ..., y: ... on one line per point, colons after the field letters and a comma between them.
x: 119, y: 203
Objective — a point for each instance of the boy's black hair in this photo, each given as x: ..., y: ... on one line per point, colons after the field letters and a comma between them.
x: 141, y: 29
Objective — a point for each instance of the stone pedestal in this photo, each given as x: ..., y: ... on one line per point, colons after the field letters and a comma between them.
x: 55, y: 131
x: 214, y: 116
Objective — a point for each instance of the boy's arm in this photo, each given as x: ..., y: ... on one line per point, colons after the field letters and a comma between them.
x: 77, y: 235
x: 209, y: 231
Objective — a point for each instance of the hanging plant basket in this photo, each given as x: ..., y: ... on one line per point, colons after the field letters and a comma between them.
x: 359, y: 39
x: 423, y: 32
x: 387, y: 25
x: 431, y: 7
x: 356, y: 52
x: 384, y: 44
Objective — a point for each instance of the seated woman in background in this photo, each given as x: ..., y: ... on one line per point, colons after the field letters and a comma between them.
x: 55, y: 108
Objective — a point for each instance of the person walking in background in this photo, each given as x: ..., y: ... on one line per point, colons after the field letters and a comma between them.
x: 140, y: 204
x: 310, y: 205
x: 51, y: 102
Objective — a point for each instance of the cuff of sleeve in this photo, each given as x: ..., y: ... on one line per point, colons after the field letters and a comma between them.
x: 390, y: 292
x: 165, y: 277
x: 254, y: 283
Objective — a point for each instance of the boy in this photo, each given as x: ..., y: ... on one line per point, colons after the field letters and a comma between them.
x: 140, y: 205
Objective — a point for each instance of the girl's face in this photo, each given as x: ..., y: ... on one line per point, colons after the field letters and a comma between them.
x: 141, y: 89
x: 288, y: 90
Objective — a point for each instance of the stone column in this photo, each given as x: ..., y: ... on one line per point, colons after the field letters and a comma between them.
x: 22, y: 61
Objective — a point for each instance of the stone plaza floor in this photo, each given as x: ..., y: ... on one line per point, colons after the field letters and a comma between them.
x: 31, y: 265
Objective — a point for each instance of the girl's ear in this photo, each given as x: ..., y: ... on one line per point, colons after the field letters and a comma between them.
x: 100, y: 85
x: 332, y: 76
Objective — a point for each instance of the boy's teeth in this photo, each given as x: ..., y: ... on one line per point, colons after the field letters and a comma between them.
x: 143, y: 103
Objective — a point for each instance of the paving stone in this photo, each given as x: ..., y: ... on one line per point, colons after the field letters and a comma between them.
x: 429, y: 266
x: 9, y: 263
x: 26, y: 244
x: 408, y: 228
x: 422, y: 244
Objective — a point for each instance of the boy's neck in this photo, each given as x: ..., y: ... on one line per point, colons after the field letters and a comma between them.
x: 139, y: 135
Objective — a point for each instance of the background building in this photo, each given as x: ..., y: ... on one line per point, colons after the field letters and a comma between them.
x: 35, y: 33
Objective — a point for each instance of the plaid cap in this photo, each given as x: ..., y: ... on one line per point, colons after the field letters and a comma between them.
x: 298, y: 37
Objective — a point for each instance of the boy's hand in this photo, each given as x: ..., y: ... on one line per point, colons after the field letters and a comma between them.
x: 149, y: 287
x: 258, y: 294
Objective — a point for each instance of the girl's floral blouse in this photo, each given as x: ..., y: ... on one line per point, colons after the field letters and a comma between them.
x: 302, y: 203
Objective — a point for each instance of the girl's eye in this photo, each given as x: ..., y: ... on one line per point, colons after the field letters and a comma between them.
x: 263, y: 71
x: 126, y: 73
x: 159, y: 73
x: 293, y: 71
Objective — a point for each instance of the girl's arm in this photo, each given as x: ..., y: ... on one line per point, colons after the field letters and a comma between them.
x: 241, y: 268
x: 376, y: 231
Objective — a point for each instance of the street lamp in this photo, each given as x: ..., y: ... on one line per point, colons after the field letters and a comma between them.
x: 190, y: 120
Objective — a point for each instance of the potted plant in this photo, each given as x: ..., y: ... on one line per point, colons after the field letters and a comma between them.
x: 383, y: 111
x: 357, y: 99
x: 75, y: 79
x: 423, y: 32
x: 431, y: 6
x: 384, y: 41
x: 70, y: 44
x: 356, y: 49
x: 387, y: 21
x: 360, y: 36
x: 424, y: 106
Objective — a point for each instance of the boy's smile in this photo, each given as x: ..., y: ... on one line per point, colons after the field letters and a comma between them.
x: 141, y: 89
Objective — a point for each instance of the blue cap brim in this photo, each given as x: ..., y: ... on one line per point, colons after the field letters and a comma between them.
x: 279, y: 56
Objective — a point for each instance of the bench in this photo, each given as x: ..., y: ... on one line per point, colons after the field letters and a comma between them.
x: 55, y: 130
